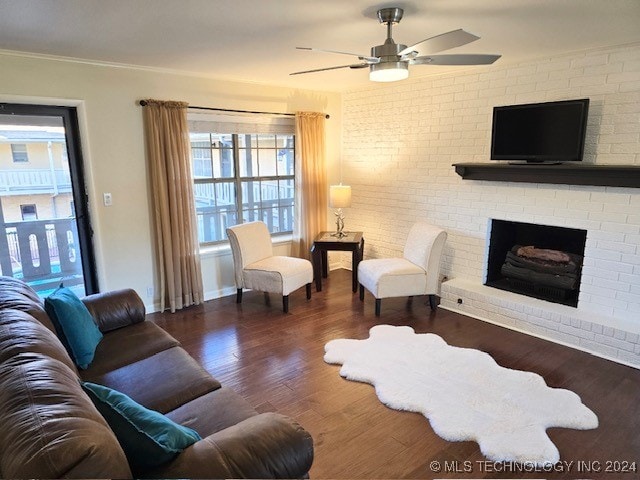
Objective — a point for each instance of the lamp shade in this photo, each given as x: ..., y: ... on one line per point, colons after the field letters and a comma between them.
x: 339, y: 196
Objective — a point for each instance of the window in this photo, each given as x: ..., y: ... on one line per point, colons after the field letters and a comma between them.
x: 19, y: 152
x: 243, y: 176
x: 28, y: 212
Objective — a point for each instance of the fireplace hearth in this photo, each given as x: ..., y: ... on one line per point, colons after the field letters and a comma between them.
x: 539, y: 261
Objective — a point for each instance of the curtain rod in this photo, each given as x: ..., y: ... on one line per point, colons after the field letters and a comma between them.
x: 144, y: 102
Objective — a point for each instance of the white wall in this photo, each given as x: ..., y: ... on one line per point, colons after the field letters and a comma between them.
x: 113, y: 148
x: 400, y: 140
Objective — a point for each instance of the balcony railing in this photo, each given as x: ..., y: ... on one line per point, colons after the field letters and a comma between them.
x: 40, y: 180
x: 213, y: 221
x: 43, y: 253
x: 275, y: 207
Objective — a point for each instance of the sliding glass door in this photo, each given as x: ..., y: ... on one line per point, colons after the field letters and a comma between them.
x: 45, y: 233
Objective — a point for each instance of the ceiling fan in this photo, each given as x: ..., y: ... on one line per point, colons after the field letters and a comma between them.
x: 390, y: 61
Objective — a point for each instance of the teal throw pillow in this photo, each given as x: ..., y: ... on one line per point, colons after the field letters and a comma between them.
x: 74, y: 325
x: 147, y: 437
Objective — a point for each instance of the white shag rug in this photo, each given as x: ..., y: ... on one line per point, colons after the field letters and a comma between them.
x: 463, y: 392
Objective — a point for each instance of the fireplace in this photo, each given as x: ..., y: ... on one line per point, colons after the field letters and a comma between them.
x: 540, y: 261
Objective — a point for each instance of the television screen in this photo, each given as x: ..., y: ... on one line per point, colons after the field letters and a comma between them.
x: 540, y: 132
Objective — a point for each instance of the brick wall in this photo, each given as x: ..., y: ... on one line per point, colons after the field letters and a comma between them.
x: 400, y: 140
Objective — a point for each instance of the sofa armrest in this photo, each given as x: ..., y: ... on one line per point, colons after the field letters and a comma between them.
x: 115, y: 309
x: 268, y: 445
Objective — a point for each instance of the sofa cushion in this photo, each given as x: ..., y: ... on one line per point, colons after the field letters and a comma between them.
x: 50, y: 428
x: 161, y: 382
x: 268, y: 445
x: 21, y: 333
x: 74, y: 324
x: 147, y: 437
x: 213, y: 411
x: 128, y: 345
x: 115, y: 309
x: 17, y: 295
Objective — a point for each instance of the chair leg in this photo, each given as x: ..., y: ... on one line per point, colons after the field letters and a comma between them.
x: 432, y: 302
x: 378, y: 304
x: 285, y: 303
x: 267, y: 299
x: 361, y: 293
x: 308, y: 291
x: 239, y: 296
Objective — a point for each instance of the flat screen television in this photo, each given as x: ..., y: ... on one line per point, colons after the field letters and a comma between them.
x: 540, y: 132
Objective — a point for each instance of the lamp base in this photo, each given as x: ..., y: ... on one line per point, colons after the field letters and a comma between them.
x: 339, y: 224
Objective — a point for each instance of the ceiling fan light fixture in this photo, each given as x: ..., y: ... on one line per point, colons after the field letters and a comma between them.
x: 390, y: 61
x: 388, y: 71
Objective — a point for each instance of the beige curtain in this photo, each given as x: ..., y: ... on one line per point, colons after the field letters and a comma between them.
x: 178, y: 257
x: 311, y: 182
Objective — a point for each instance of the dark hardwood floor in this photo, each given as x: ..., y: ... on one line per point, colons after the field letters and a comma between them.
x: 275, y: 361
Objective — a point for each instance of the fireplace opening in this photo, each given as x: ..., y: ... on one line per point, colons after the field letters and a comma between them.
x: 540, y: 261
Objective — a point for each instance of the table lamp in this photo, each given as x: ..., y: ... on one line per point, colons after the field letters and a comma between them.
x: 339, y: 198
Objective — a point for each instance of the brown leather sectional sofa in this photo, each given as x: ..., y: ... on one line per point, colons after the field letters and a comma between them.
x: 51, y: 429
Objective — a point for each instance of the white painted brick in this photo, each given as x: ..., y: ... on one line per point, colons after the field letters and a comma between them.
x: 400, y: 141
x: 629, y: 357
x: 597, y: 277
x: 620, y: 334
x: 613, y: 266
x: 613, y: 342
x: 555, y: 65
x: 619, y: 138
x: 599, y: 348
x: 521, y: 89
x: 590, y: 60
x: 625, y: 148
x: 558, y: 84
x: 616, y: 246
x: 628, y: 297
x: 587, y: 80
x: 623, y: 77
x: 606, y: 67
x: 629, y: 87
x: 624, y: 55
x: 608, y: 217
x: 527, y: 70
x: 577, y: 332
x: 631, y: 258
x: 621, y: 228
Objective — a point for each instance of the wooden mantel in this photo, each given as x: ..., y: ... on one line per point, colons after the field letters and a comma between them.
x: 563, y: 174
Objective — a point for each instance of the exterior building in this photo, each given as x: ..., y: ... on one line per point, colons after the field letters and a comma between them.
x: 34, y: 175
x: 36, y: 207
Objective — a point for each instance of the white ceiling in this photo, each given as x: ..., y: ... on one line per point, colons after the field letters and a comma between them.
x: 255, y: 40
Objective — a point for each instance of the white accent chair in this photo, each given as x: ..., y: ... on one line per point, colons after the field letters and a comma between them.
x: 417, y: 273
x: 257, y: 268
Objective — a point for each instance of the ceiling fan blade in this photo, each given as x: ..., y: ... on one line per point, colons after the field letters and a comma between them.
x: 460, y: 59
x: 364, y: 58
x: 357, y: 65
x: 445, y: 41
